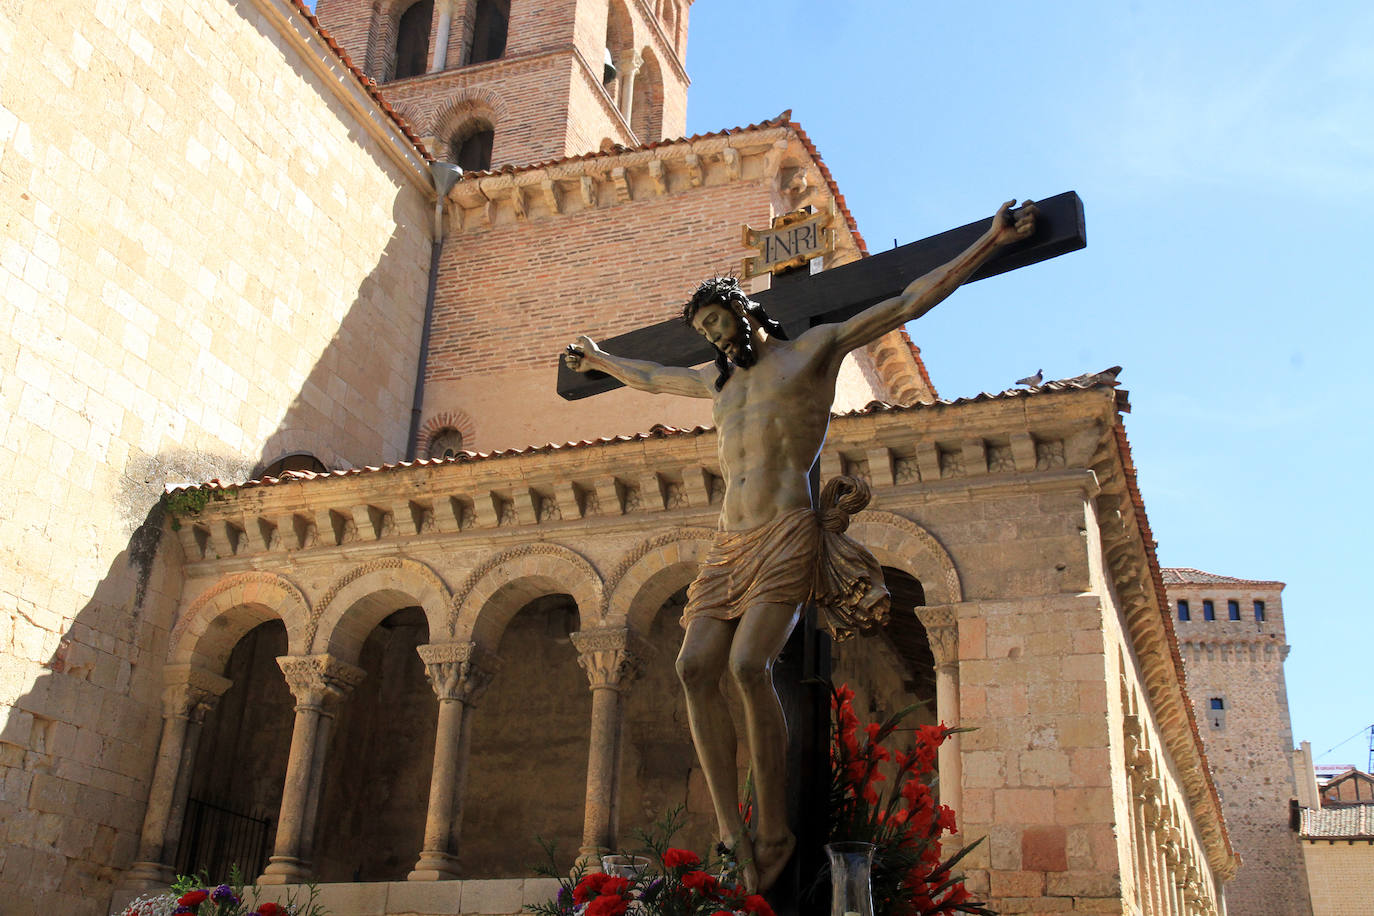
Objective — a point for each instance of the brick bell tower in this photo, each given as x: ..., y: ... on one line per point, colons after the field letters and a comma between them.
x: 489, y: 83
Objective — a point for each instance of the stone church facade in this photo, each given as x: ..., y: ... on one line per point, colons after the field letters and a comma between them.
x: 405, y: 634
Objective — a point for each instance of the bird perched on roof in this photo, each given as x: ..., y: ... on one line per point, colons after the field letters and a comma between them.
x: 1031, y: 381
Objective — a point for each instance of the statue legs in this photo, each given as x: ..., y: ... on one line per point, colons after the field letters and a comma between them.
x: 748, y: 646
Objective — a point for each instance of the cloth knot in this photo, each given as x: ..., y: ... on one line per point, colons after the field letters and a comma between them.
x: 841, y: 497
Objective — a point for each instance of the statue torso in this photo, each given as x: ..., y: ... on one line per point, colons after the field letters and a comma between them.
x: 771, y: 420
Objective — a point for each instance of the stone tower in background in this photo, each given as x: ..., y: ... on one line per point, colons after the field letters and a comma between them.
x: 1231, y: 636
x: 487, y: 85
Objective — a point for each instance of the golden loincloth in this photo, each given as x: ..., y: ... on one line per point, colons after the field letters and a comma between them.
x: 803, y: 554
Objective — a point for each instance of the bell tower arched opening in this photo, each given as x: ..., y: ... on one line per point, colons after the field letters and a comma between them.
x: 412, y: 39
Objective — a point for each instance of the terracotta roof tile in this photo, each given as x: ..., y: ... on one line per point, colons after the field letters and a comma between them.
x: 1342, y: 822
x: 1186, y: 575
x: 368, y: 84
x: 657, y: 431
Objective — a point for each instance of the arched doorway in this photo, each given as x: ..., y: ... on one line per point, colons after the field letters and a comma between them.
x: 527, y: 774
x: 376, y: 789
x: 240, y: 763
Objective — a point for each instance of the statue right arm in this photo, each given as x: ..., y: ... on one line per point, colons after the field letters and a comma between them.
x: 584, y: 355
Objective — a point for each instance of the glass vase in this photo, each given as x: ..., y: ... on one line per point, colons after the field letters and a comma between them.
x: 622, y: 866
x: 851, y: 866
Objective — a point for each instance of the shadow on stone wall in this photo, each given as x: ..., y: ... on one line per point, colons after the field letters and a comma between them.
x: 77, y: 752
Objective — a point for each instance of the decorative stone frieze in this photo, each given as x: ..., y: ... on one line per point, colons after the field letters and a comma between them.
x: 582, y: 579
x: 1125, y: 547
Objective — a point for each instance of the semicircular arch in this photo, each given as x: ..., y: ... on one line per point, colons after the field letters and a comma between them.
x: 364, y: 596
x: 216, y: 619
x: 902, y: 544
x: 497, y: 589
x: 479, y: 104
x: 650, y: 573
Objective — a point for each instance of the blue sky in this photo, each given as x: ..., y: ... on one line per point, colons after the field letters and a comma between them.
x: 1224, y: 152
x: 1225, y: 156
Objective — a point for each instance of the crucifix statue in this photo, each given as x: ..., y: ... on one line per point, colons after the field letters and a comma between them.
x: 776, y: 548
x: 771, y: 399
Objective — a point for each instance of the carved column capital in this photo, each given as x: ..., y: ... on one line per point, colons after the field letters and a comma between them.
x: 629, y: 61
x: 318, y: 681
x: 459, y: 671
x: 190, y: 692
x: 1152, y: 791
x: 611, y: 657
x: 941, y: 622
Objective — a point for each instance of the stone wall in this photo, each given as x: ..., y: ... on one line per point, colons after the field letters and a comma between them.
x: 1341, y: 876
x: 599, y: 247
x: 208, y: 262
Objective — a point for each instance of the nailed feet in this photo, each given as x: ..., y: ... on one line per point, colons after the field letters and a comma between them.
x: 771, y: 857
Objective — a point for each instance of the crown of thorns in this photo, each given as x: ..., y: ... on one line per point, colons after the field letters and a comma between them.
x: 716, y: 290
x: 724, y: 288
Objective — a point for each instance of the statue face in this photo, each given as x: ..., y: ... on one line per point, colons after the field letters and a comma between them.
x: 722, y: 327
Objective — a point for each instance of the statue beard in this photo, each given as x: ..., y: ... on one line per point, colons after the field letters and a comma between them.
x: 747, y: 355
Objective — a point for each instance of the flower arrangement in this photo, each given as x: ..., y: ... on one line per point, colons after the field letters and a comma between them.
x: 904, y: 823
x: 676, y: 883
x: 190, y: 895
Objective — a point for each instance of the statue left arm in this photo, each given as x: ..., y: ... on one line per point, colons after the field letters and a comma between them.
x: 928, y: 291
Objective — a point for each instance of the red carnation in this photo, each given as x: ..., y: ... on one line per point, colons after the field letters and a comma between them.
x: 700, y: 882
x: 192, y: 898
x: 589, y: 886
x: 756, y: 905
x: 607, y: 905
x: 271, y: 909
x: 676, y: 858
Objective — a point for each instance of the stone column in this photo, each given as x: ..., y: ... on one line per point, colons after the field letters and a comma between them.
x: 189, y: 694
x: 318, y: 682
x: 941, y: 622
x: 1137, y: 771
x: 611, y: 658
x: 1174, y: 870
x: 460, y: 673
x: 1152, y: 791
x: 628, y: 65
x: 440, y: 58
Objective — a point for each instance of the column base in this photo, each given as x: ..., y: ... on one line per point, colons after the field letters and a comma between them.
x: 148, y: 876
x: 286, y: 870
x: 589, y: 858
x: 435, y: 866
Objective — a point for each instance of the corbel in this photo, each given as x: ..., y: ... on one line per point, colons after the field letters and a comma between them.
x: 568, y: 503
x: 658, y: 176
x: 550, y: 189
x: 694, y: 173
x: 730, y: 156
x: 975, y: 453
x: 880, y: 467
x: 773, y: 158
x: 696, y: 483
x: 620, y: 178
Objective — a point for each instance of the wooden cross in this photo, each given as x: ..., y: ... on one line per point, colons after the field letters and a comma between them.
x: 836, y: 294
